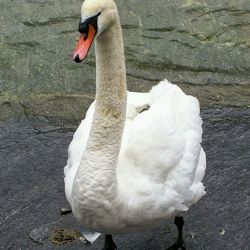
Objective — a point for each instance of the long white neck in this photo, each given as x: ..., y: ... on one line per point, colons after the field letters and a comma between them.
x: 111, y: 92
x: 97, y: 170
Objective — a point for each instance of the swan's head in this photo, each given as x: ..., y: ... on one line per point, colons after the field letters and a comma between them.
x: 96, y: 16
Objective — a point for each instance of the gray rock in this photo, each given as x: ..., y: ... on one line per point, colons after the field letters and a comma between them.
x: 202, y: 45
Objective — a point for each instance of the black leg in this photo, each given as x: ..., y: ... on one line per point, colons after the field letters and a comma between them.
x: 109, y: 243
x: 179, y: 244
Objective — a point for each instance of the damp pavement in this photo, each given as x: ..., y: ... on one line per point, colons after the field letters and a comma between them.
x: 34, y: 152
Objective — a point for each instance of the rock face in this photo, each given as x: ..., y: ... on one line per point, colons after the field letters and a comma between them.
x: 196, y: 42
x: 202, y: 45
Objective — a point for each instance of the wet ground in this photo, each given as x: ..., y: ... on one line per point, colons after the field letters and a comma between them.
x: 33, y: 154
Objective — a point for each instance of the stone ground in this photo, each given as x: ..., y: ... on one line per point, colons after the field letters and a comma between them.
x: 33, y: 152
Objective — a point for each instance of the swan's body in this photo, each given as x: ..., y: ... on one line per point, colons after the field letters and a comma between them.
x: 130, y: 169
x: 160, y: 166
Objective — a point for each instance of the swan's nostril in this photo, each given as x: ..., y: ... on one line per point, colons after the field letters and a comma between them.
x: 77, y: 59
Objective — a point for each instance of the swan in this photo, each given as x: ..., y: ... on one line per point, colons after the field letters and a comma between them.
x: 136, y: 159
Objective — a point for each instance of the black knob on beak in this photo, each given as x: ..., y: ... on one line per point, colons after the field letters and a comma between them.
x: 83, y: 27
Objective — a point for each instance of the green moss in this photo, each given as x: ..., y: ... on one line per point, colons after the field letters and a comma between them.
x: 72, y: 107
x: 63, y: 236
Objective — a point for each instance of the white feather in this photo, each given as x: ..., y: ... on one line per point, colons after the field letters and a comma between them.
x: 161, y: 162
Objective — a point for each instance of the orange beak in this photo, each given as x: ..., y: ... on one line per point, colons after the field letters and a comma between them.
x: 83, y: 45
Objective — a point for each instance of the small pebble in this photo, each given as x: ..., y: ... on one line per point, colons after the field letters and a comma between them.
x: 222, y: 232
x: 65, y: 211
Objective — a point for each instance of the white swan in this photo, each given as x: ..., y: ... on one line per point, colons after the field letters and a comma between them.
x: 136, y: 159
